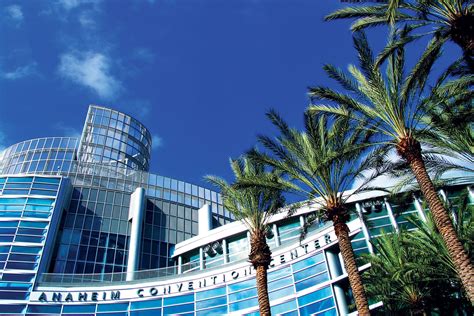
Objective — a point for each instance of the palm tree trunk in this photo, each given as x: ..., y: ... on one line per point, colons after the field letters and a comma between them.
x: 342, y: 233
x: 260, y: 256
x: 444, y: 225
x: 262, y: 290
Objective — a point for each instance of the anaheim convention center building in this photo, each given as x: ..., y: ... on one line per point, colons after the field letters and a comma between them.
x: 85, y: 229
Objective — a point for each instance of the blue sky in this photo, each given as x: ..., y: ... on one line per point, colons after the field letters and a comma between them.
x: 199, y: 74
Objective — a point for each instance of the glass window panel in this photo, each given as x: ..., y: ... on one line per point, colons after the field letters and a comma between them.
x: 318, y: 306
x: 112, y: 307
x: 308, y: 261
x: 221, y: 300
x: 210, y: 293
x: 243, y: 304
x: 147, y: 312
x: 146, y: 304
x: 282, y: 308
x: 303, y: 274
x: 48, y: 309
x: 242, y: 295
x: 178, y: 299
x: 242, y: 285
x: 222, y: 310
x: 178, y: 309
x: 315, y: 296
x: 312, y: 281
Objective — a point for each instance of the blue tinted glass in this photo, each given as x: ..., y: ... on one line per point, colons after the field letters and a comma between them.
x: 12, y: 201
x: 179, y: 299
x: 210, y: 293
x: 13, y: 296
x: 23, y: 192
x: 13, y: 308
x: 315, y: 296
x: 279, y: 273
x: 38, y: 208
x: 243, y: 304
x: 44, y: 309
x: 241, y: 285
x: 7, y: 231
x: 285, y: 307
x: 33, y: 224
x: 147, y: 312
x: 40, y: 201
x: 22, y: 179
x: 221, y: 300
x: 26, y: 249
x: 113, y: 314
x: 21, y: 265
x: 281, y: 293
x: 4, y: 286
x: 6, y: 238
x: 309, y: 261
x: 47, y: 180
x: 29, y: 239
x: 27, y: 258
x: 43, y: 192
x: 178, y: 309
x: 213, y: 311
x: 331, y: 312
x: 311, y: 281
x: 280, y: 283
x: 242, y: 295
x: 146, y: 304
x: 4, y: 249
x: 294, y: 313
x: 79, y: 308
x: 18, y: 277
x: 319, y: 306
x: 9, y: 224
x: 112, y: 307
x: 310, y: 271
x: 35, y: 214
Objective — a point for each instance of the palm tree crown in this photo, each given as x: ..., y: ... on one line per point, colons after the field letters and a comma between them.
x: 321, y: 163
x: 392, y: 107
x: 253, y: 206
x: 449, y: 19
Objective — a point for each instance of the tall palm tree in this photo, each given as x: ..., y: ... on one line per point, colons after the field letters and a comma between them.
x: 451, y: 20
x: 321, y: 163
x: 390, y: 106
x: 253, y: 206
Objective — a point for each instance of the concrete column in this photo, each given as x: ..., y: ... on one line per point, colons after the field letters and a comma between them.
x: 277, y: 237
x: 334, y: 264
x: 224, y: 251
x: 365, y: 230
x: 201, y: 259
x: 419, y: 208
x: 135, y: 215
x: 390, y: 215
x: 340, y: 299
x: 204, y: 219
x: 180, y: 264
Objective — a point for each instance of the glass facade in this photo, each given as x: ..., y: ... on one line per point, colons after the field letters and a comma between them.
x: 68, y: 216
x: 108, y: 163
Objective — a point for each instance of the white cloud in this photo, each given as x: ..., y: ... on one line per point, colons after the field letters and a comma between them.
x: 156, y: 142
x: 144, y: 54
x: 67, y: 130
x: 20, y: 72
x: 87, y: 20
x: 14, y: 14
x: 92, y: 70
x: 71, y: 4
x: 2, y: 141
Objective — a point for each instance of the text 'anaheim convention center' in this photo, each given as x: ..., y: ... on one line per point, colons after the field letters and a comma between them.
x: 85, y: 229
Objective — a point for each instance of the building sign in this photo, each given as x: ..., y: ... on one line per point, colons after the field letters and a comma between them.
x: 179, y: 287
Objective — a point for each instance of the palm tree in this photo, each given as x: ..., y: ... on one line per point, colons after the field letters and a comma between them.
x: 412, y: 272
x: 450, y: 20
x: 253, y: 206
x: 321, y: 163
x: 391, y: 107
